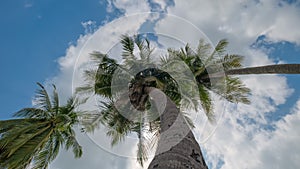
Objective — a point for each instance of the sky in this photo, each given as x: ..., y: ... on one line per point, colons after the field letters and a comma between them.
x: 49, y: 42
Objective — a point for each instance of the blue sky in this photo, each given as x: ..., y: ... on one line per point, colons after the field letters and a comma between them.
x: 34, y: 35
x: 41, y: 41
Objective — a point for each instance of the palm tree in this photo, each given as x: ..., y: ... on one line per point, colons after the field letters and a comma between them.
x: 35, y: 138
x: 130, y: 88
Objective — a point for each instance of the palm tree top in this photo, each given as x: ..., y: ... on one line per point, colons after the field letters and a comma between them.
x: 178, y: 75
x: 35, y: 137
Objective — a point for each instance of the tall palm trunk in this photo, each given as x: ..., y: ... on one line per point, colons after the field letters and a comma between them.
x: 268, y: 69
x: 177, y: 147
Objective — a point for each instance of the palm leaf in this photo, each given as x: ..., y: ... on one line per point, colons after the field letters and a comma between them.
x: 55, y: 100
x: 25, y: 153
x: 47, y: 154
x: 206, y: 102
x: 104, y: 77
x: 232, y: 61
x: 220, y: 47
x: 88, y: 88
x: 144, y: 47
x: 142, y: 152
x: 128, y: 48
x: 236, y: 91
x: 42, y: 99
x: 32, y: 113
x: 72, y: 142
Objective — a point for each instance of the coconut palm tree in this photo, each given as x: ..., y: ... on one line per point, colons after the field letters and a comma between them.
x: 35, y: 137
x: 134, y: 91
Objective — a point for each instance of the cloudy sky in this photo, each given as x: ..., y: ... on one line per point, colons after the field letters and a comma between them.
x: 49, y: 41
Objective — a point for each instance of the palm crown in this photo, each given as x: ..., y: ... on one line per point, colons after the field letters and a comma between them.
x: 35, y: 138
x: 122, y: 116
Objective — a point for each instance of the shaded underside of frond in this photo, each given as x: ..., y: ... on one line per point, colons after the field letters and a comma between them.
x: 49, y: 152
x: 22, y: 142
x: 104, y: 77
x: 117, y: 125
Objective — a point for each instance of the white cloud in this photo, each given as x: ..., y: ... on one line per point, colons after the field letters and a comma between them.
x: 241, y: 20
x: 257, y: 148
x: 282, y: 149
x: 130, y: 6
x: 89, y: 26
x: 162, y: 4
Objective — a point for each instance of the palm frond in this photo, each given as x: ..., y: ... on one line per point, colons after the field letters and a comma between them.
x: 233, y: 90
x: 32, y: 113
x: 203, y: 50
x: 55, y: 100
x: 24, y: 138
x: 117, y: 125
x: 142, y: 152
x: 236, y: 91
x: 144, y: 47
x: 206, y: 102
x: 19, y: 153
x: 71, y: 142
x: 88, y: 87
x: 47, y: 153
x: 154, y: 129
x: 104, y: 77
x: 188, y: 120
x: 6, y: 125
x: 128, y: 48
x: 221, y: 47
x: 91, y: 121
x: 115, y: 136
x: 21, y: 129
x: 232, y: 61
x: 42, y: 99
x: 96, y: 57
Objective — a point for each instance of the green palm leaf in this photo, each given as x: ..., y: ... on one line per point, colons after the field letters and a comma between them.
x: 55, y: 100
x: 128, y: 48
x: 42, y: 98
x: 32, y: 113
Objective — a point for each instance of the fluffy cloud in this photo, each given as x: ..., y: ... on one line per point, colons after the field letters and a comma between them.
x: 130, y: 6
x: 259, y: 148
x: 242, y: 19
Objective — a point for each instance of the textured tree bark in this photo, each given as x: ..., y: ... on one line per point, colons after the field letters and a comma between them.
x: 268, y: 69
x: 177, y: 147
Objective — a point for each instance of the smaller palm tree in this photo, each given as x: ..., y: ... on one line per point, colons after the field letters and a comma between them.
x: 35, y: 138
